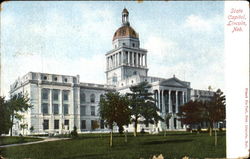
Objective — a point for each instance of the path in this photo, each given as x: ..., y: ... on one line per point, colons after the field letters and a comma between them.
x: 46, y: 139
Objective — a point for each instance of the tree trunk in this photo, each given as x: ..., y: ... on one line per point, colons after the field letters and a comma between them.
x: 215, y: 137
x: 135, y: 130
x: 210, y: 129
x: 111, y: 138
x: 125, y: 133
x: 11, y: 125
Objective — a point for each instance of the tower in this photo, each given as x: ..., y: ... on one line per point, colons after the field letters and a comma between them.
x: 126, y: 59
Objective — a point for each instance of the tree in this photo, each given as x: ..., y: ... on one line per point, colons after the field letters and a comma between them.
x: 167, y: 117
x: 143, y: 105
x: 214, y: 110
x: 95, y: 125
x: 114, y: 109
x: 191, y: 113
x: 17, y: 104
x: 23, y: 127
x: 74, y: 133
x: 4, y: 117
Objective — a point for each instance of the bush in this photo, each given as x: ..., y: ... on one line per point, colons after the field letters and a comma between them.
x: 74, y: 133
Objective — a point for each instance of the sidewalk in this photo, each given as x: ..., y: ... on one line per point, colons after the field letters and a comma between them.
x: 46, y: 139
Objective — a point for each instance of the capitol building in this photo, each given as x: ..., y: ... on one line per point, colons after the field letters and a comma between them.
x: 61, y: 102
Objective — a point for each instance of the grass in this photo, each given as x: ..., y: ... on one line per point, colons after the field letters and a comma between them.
x: 6, y: 140
x: 96, y: 146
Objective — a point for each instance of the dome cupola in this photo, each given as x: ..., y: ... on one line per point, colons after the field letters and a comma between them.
x: 125, y: 31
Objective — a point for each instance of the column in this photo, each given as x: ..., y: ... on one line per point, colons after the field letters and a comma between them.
x: 183, y: 98
x: 50, y: 102
x: 163, y: 102
x: 142, y: 59
x: 60, y: 102
x: 107, y: 63
x: 119, y: 58
x: 138, y: 59
x: 39, y: 111
x: 122, y: 57
x: 169, y: 101
x: 116, y: 59
x: 145, y: 60
x: 132, y: 63
x: 51, y: 120
x: 176, y: 106
x: 129, y: 58
x: 158, y: 98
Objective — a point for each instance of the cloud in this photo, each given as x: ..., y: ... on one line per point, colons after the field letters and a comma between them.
x: 90, y: 70
x: 160, y: 48
x: 198, y: 23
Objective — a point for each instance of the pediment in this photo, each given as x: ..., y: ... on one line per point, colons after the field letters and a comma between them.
x: 174, y: 82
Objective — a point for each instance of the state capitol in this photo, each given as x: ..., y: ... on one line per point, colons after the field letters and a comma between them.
x: 61, y: 102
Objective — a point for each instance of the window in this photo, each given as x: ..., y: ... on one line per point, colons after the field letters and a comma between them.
x: 65, y: 95
x: 92, y: 124
x: 65, y: 109
x: 92, y: 98
x: 56, y: 124
x: 55, y: 95
x: 114, y: 79
x: 66, y: 123
x: 55, y: 78
x: 45, y: 108
x: 93, y: 110
x: 133, y: 44
x: 82, y: 97
x: 45, y: 124
x: 45, y: 94
x: 65, y: 80
x: 102, y: 124
x: 82, y: 110
x: 135, y: 73
x: 45, y: 77
x: 83, y: 124
x: 55, y: 109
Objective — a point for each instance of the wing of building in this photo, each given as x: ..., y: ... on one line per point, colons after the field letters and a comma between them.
x: 61, y: 102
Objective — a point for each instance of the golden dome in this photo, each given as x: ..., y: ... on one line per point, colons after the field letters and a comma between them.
x: 125, y: 32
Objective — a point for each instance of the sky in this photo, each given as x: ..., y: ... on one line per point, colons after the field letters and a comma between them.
x: 185, y: 39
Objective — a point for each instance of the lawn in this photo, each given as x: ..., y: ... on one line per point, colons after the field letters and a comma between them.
x: 5, y: 140
x: 95, y: 146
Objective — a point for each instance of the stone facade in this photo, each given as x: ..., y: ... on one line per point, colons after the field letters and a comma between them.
x: 61, y: 102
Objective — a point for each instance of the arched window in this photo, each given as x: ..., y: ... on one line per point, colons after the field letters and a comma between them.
x: 92, y: 98
x: 82, y: 97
